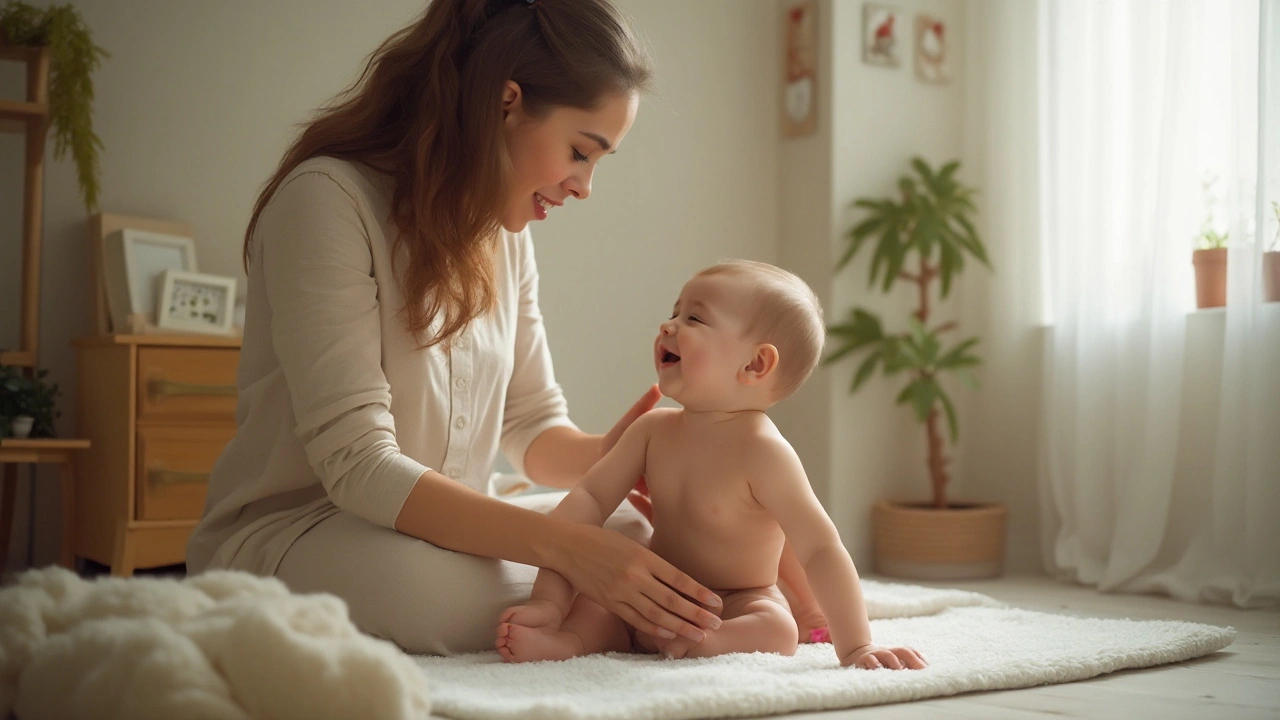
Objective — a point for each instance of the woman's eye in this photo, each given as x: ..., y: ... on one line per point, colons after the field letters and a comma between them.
x: 579, y: 157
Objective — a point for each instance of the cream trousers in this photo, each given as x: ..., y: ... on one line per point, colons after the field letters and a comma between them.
x: 421, y: 597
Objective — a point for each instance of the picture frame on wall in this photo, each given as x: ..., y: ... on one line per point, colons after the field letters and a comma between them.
x: 196, y: 302
x: 933, y: 64
x: 880, y: 33
x: 133, y: 262
x: 800, y: 69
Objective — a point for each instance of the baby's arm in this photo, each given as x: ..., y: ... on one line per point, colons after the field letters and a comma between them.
x: 596, y: 496
x: 779, y: 483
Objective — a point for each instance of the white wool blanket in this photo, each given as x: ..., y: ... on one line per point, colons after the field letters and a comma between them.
x: 231, y: 645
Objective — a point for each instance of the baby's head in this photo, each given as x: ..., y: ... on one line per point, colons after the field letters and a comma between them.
x: 743, y: 335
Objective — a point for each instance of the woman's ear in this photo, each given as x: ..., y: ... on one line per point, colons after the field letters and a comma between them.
x: 512, y: 100
x: 762, y: 365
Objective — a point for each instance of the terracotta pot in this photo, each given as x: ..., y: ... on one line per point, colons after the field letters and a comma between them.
x: 1211, y: 277
x: 1271, y: 275
x: 919, y: 542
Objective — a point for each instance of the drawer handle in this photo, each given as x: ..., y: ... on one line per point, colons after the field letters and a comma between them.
x: 173, y: 477
x: 167, y: 388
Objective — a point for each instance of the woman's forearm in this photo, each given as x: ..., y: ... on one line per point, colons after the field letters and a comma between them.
x: 560, y: 456
x: 450, y: 515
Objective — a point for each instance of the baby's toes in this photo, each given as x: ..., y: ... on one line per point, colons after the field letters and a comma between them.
x: 677, y: 649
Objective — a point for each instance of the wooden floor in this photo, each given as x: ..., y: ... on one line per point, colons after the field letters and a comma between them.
x: 1239, y: 683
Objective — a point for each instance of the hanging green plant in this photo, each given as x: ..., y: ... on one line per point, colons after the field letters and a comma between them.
x: 74, y: 57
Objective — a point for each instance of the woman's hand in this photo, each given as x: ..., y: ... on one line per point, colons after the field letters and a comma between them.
x: 628, y: 580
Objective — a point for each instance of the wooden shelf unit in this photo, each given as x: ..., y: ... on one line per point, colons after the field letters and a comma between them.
x: 29, y: 117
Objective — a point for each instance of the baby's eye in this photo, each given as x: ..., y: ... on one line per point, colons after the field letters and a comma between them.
x: 579, y: 157
x: 695, y: 318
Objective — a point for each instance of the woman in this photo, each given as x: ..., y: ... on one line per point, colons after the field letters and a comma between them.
x: 393, y: 342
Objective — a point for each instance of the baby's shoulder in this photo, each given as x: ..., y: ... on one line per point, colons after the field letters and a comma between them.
x: 658, y: 419
x: 763, y: 447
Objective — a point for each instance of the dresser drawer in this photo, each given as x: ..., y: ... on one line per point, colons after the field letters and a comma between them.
x: 187, y: 384
x: 173, y: 468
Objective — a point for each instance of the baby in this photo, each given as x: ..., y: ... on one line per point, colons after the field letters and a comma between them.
x: 728, y: 491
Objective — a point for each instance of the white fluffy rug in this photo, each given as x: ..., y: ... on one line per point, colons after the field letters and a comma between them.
x: 971, y: 641
x: 232, y: 646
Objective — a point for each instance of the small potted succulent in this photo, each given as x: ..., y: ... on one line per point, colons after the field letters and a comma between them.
x: 28, y: 405
x: 922, y: 237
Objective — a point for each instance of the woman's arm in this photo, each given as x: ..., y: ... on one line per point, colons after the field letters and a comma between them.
x: 560, y: 456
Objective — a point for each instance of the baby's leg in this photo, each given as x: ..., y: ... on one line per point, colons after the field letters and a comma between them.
x: 588, y: 628
x: 755, y: 620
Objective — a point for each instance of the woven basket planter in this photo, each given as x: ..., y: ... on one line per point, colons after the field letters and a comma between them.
x: 919, y: 542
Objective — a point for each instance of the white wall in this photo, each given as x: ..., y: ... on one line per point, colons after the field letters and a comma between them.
x: 199, y: 100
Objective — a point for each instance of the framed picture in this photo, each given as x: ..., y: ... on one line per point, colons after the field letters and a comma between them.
x: 880, y: 44
x: 932, y: 63
x: 799, y: 76
x: 132, y: 263
x: 196, y: 302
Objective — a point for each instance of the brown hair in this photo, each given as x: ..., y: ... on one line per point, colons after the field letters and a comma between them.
x: 426, y: 111
x: 786, y: 314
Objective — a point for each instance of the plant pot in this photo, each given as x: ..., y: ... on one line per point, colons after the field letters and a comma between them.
x: 1271, y: 275
x: 1211, y: 277
x: 919, y: 542
x: 21, y: 426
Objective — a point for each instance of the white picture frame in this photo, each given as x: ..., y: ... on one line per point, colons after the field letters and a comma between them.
x: 133, y: 262
x: 196, y: 302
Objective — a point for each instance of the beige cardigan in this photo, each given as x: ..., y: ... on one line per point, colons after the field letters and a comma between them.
x: 338, y: 409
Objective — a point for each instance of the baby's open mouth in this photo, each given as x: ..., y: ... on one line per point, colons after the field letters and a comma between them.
x: 669, y: 358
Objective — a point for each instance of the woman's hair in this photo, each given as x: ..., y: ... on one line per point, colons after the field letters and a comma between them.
x: 427, y: 112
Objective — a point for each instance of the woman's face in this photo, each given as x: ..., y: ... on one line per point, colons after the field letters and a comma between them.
x: 553, y: 158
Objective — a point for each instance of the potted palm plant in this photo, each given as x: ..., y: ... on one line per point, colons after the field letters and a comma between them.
x: 74, y: 57
x: 922, y: 237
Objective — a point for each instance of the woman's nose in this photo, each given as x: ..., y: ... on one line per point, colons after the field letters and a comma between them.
x: 579, y: 186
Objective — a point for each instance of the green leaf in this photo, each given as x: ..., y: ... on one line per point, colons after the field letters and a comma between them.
x: 887, y: 251
x: 950, y: 410
x: 973, y: 244
x: 956, y: 357
x: 921, y: 393
x: 929, y: 348
x: 867, y: 367
x: 948, y: 170
x: 968, y: 379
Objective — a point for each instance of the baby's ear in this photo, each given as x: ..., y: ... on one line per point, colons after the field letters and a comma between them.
x: 762, y: 366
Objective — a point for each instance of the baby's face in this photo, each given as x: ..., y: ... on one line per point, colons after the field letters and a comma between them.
x: 701, y: 348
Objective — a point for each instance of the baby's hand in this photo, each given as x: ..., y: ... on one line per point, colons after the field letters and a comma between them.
x: 870, y: 657
x: 533, y: 614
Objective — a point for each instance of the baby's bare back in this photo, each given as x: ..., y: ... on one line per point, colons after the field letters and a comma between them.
x: 705, y: 520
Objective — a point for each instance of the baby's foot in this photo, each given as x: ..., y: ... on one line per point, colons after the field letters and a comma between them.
x: 810, y: 622
x: 517, y: 643
x: 533, y: 614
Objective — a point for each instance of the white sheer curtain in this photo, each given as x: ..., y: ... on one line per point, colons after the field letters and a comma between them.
x: 1138, y: 101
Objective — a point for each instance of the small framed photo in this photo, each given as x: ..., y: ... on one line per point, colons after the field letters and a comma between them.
x: 133, y: 261
x: 880, y: 33
x: 932, y: 64
x: 196, y: 302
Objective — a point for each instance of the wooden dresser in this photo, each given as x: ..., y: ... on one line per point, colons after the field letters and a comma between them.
x: 158, y: 410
